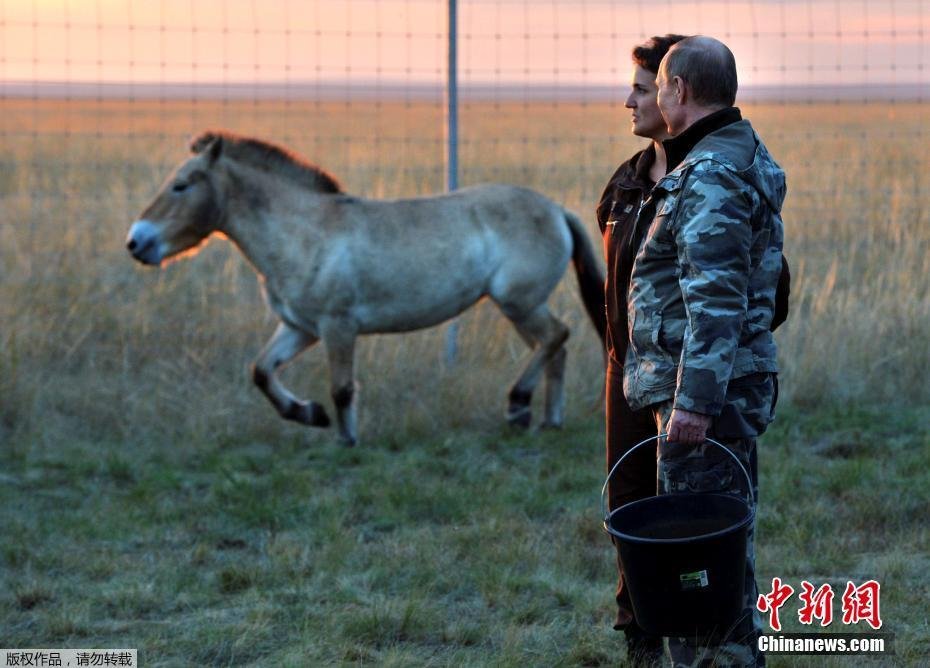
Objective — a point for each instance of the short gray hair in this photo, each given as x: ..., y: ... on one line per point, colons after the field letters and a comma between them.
x: 709, y: 68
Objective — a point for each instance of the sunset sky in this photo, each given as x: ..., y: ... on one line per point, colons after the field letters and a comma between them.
x: 776, y: 42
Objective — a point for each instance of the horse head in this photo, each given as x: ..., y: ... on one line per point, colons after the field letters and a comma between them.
x: 187, y: 209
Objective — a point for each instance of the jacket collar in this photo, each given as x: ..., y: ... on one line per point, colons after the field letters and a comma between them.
x: 643, y: 164
x: 634, y: 173
x: 677, y: 148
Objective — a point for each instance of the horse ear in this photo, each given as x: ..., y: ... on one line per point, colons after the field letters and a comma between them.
x: 214, y: 150
x: 209, y: 141
x: 198, y: 144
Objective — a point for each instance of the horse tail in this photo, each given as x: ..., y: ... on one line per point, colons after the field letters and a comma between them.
x: 590, y: 276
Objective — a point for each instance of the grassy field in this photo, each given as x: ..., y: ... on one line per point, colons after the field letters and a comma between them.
x: 477, y: 548
x: 151, y: 498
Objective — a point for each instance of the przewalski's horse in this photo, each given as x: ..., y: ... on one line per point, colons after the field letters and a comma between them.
x: 334, y: 266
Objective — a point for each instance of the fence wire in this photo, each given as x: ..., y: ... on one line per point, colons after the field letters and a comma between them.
x: 358, y: 84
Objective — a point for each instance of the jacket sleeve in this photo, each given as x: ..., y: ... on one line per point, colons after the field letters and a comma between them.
x: 713, y: 234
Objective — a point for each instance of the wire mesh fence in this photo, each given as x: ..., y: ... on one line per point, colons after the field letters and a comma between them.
x: 379, y: 68
x: 99, y: 99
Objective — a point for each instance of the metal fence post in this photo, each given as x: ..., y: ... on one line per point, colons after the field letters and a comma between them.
x: 452, y: 146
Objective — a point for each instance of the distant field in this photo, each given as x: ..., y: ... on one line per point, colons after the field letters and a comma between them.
x: 148, y: 490
x: 80, y: 317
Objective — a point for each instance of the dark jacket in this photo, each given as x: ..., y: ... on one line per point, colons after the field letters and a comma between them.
x: 616, y: 215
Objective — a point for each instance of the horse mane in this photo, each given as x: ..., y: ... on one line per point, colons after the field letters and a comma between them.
x: 268, y: 157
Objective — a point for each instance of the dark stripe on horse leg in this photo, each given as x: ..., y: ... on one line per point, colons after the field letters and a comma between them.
x: 342, y: 397
x: 518, y: 411
x: 310, y: 413
x: 519, y: 397
x: 260, y: 378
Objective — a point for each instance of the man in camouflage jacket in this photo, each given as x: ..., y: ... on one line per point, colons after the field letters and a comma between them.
x: 702, y: 298
x: 702, y: 291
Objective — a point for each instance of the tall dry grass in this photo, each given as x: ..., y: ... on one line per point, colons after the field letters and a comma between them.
x: 93, y: 345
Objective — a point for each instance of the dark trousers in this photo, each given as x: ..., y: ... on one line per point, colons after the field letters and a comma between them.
x: 748, y: 409
x: 636, y: 477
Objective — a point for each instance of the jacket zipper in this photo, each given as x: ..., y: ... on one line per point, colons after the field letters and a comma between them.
x: 636, y: 222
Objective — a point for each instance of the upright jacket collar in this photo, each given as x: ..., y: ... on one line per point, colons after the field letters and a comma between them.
x: 634, y: 173
x: 643, y: 164
x: 677, y: 148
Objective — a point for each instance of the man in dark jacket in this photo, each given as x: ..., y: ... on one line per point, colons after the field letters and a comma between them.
x: 702, y: 301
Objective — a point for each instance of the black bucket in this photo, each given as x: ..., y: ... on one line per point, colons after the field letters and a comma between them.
x: 683, y: 557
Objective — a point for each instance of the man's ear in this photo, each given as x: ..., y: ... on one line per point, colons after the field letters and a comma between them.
x: 682, y: 92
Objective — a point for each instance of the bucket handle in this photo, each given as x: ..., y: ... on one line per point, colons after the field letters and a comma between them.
x: 606, y: 513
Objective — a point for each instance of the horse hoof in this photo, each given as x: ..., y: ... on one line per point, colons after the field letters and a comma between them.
x: 347, y: 442
x: 550, y: 425
x: 519, y: 417
x: 319, y: 417
x: 310, y: 414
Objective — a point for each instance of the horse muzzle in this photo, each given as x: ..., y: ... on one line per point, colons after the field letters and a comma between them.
x: 144, y: 243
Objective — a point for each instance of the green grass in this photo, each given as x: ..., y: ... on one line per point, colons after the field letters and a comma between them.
x: 480, y: 547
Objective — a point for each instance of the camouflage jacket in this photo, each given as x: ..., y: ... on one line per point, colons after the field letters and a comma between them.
x: 702, y: 292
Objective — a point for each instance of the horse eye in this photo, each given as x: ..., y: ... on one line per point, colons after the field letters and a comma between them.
x: 179, y: 187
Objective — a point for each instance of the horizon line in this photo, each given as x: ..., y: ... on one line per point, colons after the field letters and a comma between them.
x: 332, y: 90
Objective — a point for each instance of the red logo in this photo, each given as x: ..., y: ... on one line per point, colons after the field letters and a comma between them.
x: 860, y: 604
x: 817, y: 604
x: 771, y: 602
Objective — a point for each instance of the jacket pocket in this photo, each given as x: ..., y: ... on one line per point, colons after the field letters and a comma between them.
x: 748, y: 408
x: 701, y: 469
x: 670, y: 336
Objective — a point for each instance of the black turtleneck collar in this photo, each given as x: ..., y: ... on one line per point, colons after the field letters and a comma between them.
x: 677, y: 148
x: 646, y: 159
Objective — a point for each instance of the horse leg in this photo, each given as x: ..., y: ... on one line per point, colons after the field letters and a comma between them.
x: 555, y: 393
x: 546, y: 335
x: 340, y: 348
x: 283, y: 346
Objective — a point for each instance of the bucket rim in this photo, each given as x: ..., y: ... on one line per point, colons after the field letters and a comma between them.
x: 746, y: 521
